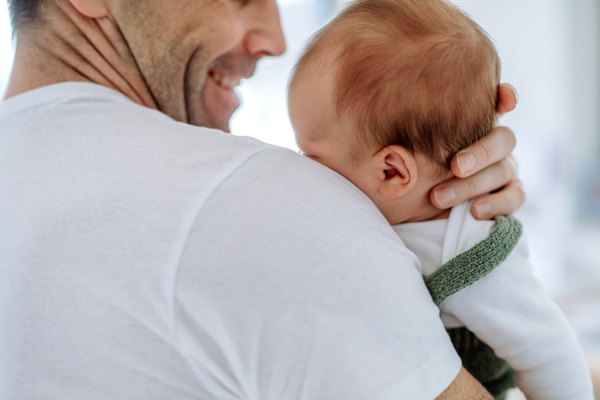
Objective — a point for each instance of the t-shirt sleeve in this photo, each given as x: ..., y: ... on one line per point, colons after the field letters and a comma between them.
x: 510, y: 311
x: 293, y: 286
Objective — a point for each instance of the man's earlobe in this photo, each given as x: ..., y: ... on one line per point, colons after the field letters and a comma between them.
x: 94, y: 9
x: 398, y: 171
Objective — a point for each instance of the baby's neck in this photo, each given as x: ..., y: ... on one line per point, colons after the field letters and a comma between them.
x: 430, y: 216
x: 412, y: 207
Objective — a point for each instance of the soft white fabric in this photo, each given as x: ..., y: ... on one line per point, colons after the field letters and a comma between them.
x: 141, y: 258
x: 508, y: 309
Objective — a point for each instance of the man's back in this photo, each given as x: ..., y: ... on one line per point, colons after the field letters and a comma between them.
x: 144, y: 258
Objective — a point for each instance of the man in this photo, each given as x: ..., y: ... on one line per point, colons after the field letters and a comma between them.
x: 146, y: 258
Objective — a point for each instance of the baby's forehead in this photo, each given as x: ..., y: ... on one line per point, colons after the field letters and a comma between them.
x: 311, y: 88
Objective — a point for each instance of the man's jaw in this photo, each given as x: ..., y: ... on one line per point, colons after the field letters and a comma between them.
x: 211, y: 98
x: 219, y: 99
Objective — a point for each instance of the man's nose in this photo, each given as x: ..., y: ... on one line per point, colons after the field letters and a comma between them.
x: 266, y: 36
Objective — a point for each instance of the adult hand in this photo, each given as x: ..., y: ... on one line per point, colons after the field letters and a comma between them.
x: 484, y: 167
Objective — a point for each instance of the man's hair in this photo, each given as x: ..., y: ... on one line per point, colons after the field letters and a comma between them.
x: 23, y: 12
x: 416, y: 73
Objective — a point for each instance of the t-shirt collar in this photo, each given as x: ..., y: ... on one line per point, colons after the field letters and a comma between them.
x: 58, y: 92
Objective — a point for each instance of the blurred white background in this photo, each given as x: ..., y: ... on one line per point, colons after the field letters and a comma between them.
x: 550, y: 51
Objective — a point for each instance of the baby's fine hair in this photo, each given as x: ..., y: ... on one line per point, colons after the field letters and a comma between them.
x: 415, y: 73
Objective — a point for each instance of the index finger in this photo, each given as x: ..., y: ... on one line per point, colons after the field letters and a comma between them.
x: 485, y: 152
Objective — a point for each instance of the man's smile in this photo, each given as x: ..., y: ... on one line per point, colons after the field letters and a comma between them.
x: 226, y: 81
x: 219, y: 98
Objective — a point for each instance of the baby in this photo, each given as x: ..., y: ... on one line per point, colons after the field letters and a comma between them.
x: 385, y: 95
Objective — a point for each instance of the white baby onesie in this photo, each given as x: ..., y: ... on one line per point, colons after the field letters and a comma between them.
x: 507, y: 309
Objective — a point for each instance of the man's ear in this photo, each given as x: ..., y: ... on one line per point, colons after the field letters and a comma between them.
x: 94, y: 9
x: 397, y: 171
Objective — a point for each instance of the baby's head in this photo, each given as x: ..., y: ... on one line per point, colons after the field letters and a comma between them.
x: 389, y: 91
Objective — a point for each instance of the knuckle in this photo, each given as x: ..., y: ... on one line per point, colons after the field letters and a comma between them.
x: 515, y: 165
x: 522, y: 195
x: 469, y: 187
x: 508, y: 136
x: 507, y: 204
x: 513, y: 198
x: 488, y: 154
x: 506, y: 171
x: 501, y: 203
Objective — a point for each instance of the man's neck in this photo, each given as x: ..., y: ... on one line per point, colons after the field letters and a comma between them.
x: 33, y: 69
x: 68, y: 47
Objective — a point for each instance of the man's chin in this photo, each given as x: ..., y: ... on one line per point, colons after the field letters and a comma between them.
x: 223, y: 127
x: 219, y: 104
x: 206, y: 120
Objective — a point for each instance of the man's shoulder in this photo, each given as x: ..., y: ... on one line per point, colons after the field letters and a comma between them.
x: 126, y: 121
x: 245, y: 163
x: 83, y: 111
x: 198, y: 162
x: 100, y: 134
x: 287, y: 203
x: 288, y: 181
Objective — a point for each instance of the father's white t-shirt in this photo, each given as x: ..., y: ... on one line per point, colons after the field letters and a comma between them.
x: 141, y: 258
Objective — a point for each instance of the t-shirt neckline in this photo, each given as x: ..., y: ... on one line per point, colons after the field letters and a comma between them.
x: 55, y: 92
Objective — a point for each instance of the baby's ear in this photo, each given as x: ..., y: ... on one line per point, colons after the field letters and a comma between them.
x: 397, y: 171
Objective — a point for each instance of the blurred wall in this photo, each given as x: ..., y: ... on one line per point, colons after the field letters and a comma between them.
x: 584, y: 39
x: 6, y: 53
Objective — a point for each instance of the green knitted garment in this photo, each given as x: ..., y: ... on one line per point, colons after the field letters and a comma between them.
x: 462, y: 271
x: 472, y: 265
x: 480, y: 360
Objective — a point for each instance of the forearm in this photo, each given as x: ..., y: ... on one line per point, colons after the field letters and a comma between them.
x: 465, y: 387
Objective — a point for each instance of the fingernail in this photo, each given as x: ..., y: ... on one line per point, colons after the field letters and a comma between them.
x: 466, y: 162
x: 445, y: 196
x: 483, y: 209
